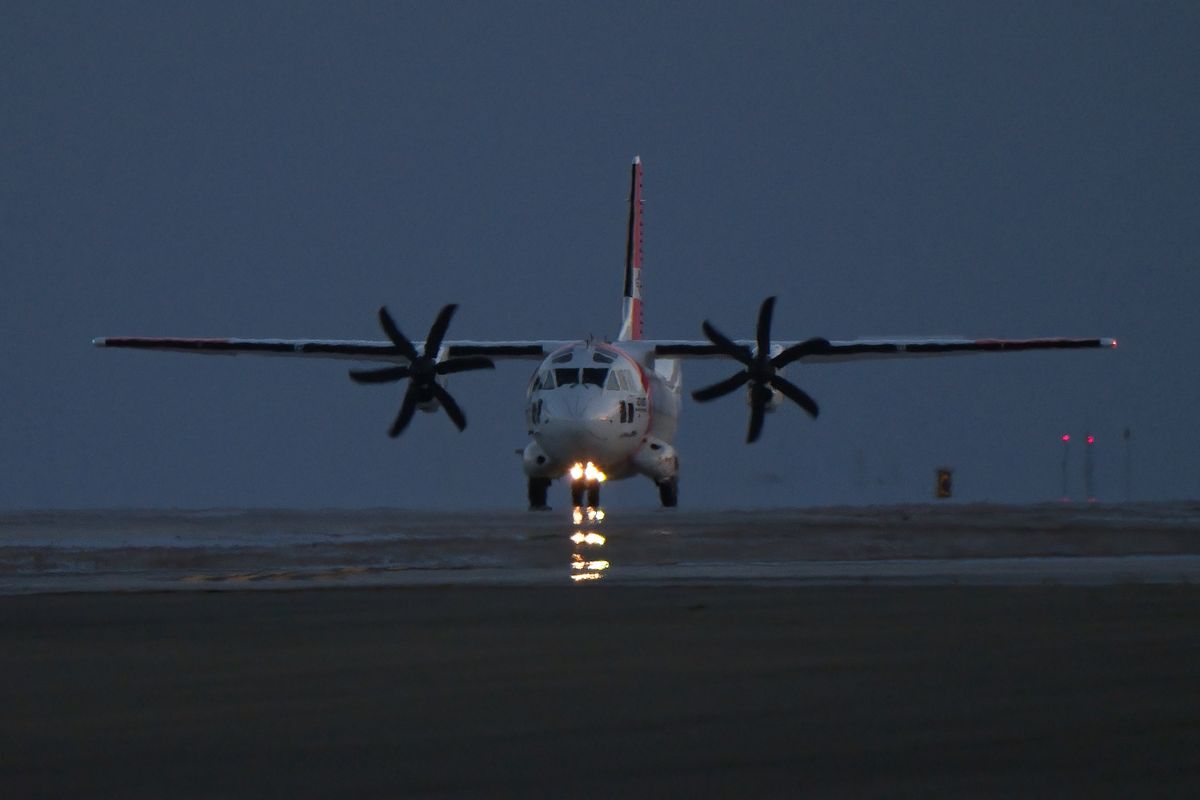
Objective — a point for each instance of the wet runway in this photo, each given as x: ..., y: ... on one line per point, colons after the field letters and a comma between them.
x: 895, y: 545
x: 965, y: 651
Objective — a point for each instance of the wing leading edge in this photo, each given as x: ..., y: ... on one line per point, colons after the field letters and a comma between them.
x: 357, y: 350
x: 867, y: 349
x: 537, y: 349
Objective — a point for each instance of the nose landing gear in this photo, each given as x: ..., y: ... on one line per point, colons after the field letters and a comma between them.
x: 583, y: 489
x: 585, y: 481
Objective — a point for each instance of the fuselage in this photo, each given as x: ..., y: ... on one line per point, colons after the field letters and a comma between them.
x: 604, y: 404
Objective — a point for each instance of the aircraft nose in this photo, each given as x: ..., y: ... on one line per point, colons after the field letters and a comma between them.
x: 575, y: 424
x: 570, y: 418
x: 565, y: 407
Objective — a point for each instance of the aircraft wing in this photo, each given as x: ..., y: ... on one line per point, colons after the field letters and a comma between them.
x: 866, y: 349
x: 351, y: 349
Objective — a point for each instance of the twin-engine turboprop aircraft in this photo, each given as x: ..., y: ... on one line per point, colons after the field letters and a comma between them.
x: 599, y: 410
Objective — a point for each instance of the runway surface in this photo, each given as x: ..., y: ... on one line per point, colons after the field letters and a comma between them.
x: 967, y: 651
x: 240, y: 549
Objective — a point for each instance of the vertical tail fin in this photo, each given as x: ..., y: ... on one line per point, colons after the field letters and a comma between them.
x: 631, y: 306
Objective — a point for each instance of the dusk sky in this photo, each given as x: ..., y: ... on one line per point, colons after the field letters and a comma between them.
x: 283, y: 169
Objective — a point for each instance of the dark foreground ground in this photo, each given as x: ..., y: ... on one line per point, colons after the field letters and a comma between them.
x: 604, y: 691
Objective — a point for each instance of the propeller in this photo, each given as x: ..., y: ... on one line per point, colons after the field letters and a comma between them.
x: 761, y: 369
x: 422, y: 370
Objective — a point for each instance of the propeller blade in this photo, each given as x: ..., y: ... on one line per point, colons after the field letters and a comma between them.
x: 463, y: 364
x: 722, y: 388
x: 797, y: 351
x: 452, y: 410
x: 764, y: 326
x: 399, y: 339
x: 407, y: 408
x: 437, y: 331
x: 727, y: 345
x: 797, y: 395
x: 385, y: 375
x: 760, y: 370
x: 758, y: 407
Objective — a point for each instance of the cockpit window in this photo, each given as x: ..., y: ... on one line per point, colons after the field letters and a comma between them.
x: 612, y: 382
x: 594, y: 376
x: 624, y: 379
x: 564, y: 358
x: 601, y: 358
x: 571, y: 376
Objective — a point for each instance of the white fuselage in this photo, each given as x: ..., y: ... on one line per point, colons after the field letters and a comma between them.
x: 602, y: 403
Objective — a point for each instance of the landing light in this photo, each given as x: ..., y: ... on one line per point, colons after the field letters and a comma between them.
x: 589, y: 471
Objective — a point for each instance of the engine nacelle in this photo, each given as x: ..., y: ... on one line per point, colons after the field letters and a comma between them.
x: 772, y: 404
x: 657, y: 460
x: 776, y: 397
x: 428, y: 404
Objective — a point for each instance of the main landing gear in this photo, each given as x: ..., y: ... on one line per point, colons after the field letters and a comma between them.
x: 584, y: 492
x: 668, y: 492
x: 585, y: 489
x: 538, y: 487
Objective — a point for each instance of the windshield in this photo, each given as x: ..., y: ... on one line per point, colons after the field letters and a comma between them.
x: 594, y: 376
x: 570, y: 376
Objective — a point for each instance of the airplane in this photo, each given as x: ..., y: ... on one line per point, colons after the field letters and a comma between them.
x: 600, y: 410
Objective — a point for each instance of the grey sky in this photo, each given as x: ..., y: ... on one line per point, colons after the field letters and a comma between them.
x: 250, y: 169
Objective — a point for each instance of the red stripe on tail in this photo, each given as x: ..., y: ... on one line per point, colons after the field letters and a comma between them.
x: 631, y: 325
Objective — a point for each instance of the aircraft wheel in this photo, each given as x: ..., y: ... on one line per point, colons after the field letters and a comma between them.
x: 668, y: 492
x: 538, y: 488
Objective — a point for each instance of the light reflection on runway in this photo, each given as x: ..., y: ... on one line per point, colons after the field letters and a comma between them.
x: 925, y: 545
x: 586, y: 566
x: 592, y: 516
